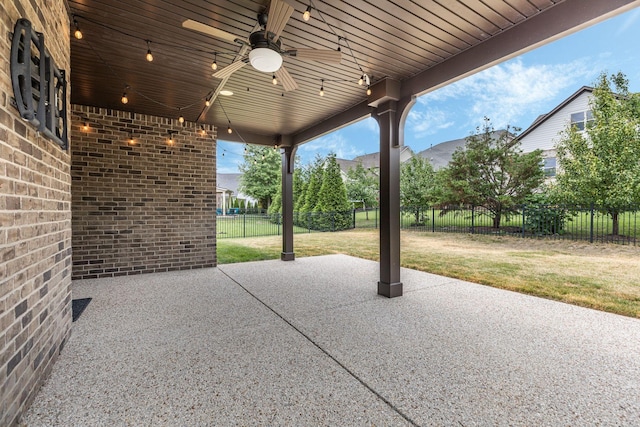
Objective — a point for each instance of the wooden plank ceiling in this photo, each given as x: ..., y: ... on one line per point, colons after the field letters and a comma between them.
x: 382, y: 38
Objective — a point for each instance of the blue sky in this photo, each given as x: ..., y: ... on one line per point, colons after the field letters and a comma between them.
x: 514, y: 92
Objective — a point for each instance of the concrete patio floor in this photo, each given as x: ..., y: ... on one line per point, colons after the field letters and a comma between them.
x: 309, y: 342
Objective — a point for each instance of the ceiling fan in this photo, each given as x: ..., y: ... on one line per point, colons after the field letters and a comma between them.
x: 264, y: 47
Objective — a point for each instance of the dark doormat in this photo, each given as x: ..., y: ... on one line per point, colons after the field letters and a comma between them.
x: 78, y: 306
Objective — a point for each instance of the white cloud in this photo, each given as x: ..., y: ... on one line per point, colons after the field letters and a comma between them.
x: 509, y: 91
x: 334, y: 142
x: 368, y: 124
x: 629, y: 22
x: 422, y: 122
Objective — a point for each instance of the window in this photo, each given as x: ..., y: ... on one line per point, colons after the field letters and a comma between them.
x: 549, y: 166
x: 581, y: 119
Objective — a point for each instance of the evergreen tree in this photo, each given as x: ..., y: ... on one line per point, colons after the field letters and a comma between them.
x: 300, y: 183
x: 275, y: 208
x: 316, y: 175
x: 332, y: 199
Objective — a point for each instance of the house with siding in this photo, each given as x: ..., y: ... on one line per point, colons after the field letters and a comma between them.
x: 440, y: 155
x: 544, y: 132
x: 371, y: 161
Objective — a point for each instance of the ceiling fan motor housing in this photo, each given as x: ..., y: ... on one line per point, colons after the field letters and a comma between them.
x: 265, y: 53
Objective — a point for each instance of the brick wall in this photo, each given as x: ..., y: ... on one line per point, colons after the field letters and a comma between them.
x: 145, y: 206
x: 35, y: 225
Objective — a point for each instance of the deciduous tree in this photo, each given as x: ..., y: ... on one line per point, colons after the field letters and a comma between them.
x: 601, y: 165
x: 491, y: 171
x: 362, y: 186
x: 417, y: 186
x: 260, y: 173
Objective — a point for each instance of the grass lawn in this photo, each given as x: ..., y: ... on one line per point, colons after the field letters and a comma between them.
x: 600, y: 276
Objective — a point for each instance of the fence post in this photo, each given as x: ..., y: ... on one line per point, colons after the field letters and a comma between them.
x: 279, y: 221
x: 473, y: 220
x: 354, y: 218
x: 376, y: 217
x: 524, y: 208
x: 591, y: 226
x: 333, y: 221
x: 244, y: 225
x: 433, y: 220
x: 309, y: 222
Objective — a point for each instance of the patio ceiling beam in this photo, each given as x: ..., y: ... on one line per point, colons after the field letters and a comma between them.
x: 242, y: 136
x: 559, y: 21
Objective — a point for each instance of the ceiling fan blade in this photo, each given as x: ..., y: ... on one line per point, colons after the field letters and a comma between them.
x: 229, y: 69
x: 207, y: 29
x: 287, y: 81
x: 279, y: 14
x: 320, y: 55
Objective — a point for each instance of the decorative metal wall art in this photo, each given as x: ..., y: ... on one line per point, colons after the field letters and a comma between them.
x: 39, y: 86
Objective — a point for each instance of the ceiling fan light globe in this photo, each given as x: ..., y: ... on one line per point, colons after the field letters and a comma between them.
x: 265, y: 60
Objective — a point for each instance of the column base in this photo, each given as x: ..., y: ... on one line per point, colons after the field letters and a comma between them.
x: 390, y: 290
x: 287, y: 256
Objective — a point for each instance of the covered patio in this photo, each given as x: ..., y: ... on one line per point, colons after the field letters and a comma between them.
x: 310, y: 343
x: 109, y: 117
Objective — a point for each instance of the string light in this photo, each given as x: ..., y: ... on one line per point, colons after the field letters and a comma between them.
x: 124, y: 98
x: 307, y: 14
x: 131, y: 140
x: 77, y: 34
x: 368, y: 90
x: 361, y: 81
x: 181, y: 119
x: 85, y: 127
x: 214, y: 65
x: 274, y: 80
x: 322, y: 88
x: 170, y: 141
x: 203, y: 132
x: 207, y: 103
x: 229, y: 130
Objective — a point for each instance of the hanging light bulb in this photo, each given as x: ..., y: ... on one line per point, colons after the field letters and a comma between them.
x: 207, y: 103
x: 274, y: 80
x: 131, y: 140
x: 229, y: 130
x: 275, y: 146
x: 85, y: 127
x: 214, y: 64
x: 361, y: 81
x: 170, y: 138
x: 202, y: 131
x: 77, y: 33
x: 124, y: 98
x: 307, y: 14
x: 322, y: 88
x: 245, y: 149
x: 368, y: 90
x: 149, y: 55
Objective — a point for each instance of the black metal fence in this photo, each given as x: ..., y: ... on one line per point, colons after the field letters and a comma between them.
x: 591, y: 224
